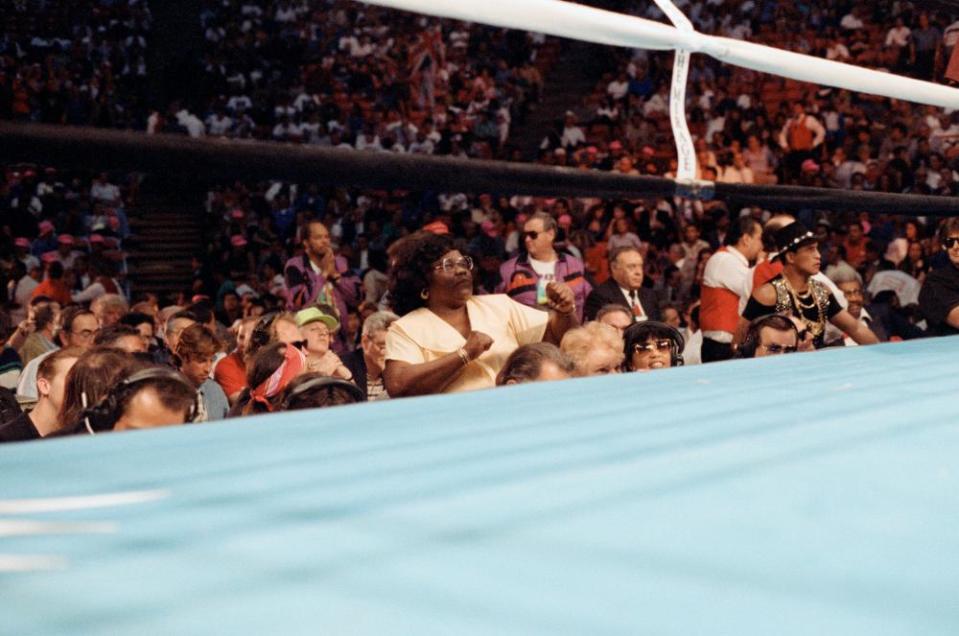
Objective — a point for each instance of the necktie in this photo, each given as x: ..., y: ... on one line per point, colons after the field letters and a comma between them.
x: 636, y: 307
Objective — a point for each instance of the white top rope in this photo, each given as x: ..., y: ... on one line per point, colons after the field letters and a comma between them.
x: 579, y: 22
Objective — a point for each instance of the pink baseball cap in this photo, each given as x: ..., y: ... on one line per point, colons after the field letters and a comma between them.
x: 437, y: 227
x: 21, y: 241
x: 237, y: 213
x: 48, y: 257
x: 237, y: 240
x: 615, y: 145
x: 66, y: 239
x: 810, y: 166
x: 96, y: 238
x: 46, y: 227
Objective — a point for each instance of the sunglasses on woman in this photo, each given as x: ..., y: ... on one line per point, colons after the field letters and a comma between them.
x: 654, y: 345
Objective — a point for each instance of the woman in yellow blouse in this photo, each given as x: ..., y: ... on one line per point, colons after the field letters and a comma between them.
x: 449, y: 340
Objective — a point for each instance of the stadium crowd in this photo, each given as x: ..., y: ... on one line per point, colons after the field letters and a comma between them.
x: 345, y: 75
x: 77, y: 63
x: 310, y: 296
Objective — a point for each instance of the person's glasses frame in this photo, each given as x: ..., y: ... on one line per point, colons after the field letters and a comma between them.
x: 950, y: 242
x: 650, y: 346
x: 777, y: 349
x: 449, y: 265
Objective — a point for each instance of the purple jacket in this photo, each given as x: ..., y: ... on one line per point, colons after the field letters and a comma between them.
x: 304, y: 286
x: 518, y: 279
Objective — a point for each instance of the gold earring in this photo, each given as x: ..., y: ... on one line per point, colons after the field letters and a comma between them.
x: 425, y: 294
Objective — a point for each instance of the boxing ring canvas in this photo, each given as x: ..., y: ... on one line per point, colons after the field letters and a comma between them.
x: 812, y: 493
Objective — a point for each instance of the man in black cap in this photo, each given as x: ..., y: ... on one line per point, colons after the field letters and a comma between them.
x: 796, y: 293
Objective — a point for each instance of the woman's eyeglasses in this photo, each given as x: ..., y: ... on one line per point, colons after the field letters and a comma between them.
x: 450, y: 265
x: 654, y: 345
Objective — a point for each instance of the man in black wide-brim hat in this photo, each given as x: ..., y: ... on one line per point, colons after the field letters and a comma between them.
x: 795, y: 293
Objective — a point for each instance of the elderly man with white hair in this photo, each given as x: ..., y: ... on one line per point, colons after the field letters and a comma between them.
x: 367, y: 362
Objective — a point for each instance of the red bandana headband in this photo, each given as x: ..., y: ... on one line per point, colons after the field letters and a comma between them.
x: 293, y: 363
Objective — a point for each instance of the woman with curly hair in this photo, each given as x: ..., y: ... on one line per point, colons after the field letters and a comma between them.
x: 449, y: 340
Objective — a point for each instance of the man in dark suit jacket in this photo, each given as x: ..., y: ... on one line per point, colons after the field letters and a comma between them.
x: 625, y: 287
x: 367, y: 362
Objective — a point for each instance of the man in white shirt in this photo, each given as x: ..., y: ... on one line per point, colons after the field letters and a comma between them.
x: 102, y: 190
x: 573, y: 135
x: 851, y: 21
x: 851, y: 286
x: 219, y: 123
x: 739, y: 172
x: 898, y: 36
x: 727, y: 286
x: 368, y: 140
x: 618, y: 88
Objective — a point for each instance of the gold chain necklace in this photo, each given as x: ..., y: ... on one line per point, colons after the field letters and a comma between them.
x: 817, y: 327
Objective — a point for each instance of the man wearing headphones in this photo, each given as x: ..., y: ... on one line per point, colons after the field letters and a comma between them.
x: 315, y: 390
x: 151, y: 397
x: 653, y: 345
x: 770, y: 335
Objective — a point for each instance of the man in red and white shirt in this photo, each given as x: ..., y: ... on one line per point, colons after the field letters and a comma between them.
x: 727, y: 286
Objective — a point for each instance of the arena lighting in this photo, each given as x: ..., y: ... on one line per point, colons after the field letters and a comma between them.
x: 208, y: 160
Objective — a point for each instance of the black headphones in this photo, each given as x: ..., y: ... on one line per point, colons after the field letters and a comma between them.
x: 324, y: 382
x: 104, y: 415
x: 640, y: 331
x: 260, y: 336
x: 751, y: 342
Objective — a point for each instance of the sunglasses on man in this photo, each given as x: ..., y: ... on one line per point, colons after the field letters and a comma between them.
x: 777, y: 349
